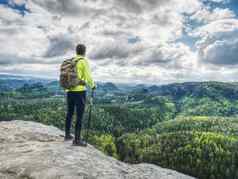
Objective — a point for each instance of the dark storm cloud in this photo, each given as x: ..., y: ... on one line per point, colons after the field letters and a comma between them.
x: 222, y: 53
x: 8, y: 30
x: 66, y: 7
x: 154, y: 58
x: 162, y: 19
x: 162, y: 56
x: 59, y: 45
x: 219, y: 47
x: 138, y: 6
x: 115, y: 34
x: 130, y: 5
x: 123, y: 54
x: 109, y: 51
x: 119, y: 51
x: 72, y: 7
x: 7, y: 60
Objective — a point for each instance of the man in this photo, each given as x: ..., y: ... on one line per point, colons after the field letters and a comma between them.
x: 76, y: 96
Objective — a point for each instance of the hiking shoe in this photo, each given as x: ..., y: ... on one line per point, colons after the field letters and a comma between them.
x: 79, y: 143
x: 67, y: 138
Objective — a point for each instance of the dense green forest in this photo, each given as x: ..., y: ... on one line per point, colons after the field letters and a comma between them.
x: 189, y: 127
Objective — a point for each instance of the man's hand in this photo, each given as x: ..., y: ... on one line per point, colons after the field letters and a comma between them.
x: 82, y: 82
x: 91, y: 101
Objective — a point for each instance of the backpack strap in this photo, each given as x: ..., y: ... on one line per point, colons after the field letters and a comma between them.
x: 77, y: 59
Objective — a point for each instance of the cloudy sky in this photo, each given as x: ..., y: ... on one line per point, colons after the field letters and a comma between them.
x: 135, y: 41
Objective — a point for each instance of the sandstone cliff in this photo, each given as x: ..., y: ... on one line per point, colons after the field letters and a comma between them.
x: 30, y: 150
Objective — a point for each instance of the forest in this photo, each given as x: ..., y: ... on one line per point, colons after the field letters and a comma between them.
x: 189, y: 127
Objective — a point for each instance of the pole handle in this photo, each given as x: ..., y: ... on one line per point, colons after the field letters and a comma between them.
x: 91, y: 97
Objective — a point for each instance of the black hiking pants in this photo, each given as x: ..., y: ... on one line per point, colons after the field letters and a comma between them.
x: 75, y: 99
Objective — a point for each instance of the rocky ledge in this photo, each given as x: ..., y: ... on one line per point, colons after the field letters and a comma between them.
x: 30, y: 150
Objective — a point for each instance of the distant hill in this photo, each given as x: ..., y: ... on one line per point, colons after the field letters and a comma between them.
x: 22, y: 77
x: 194, y: 89
x: 107, y: 87
x: 175, y: 91
x: 11, y: 82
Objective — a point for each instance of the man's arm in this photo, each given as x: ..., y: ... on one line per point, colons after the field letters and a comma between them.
x: 88, y: 76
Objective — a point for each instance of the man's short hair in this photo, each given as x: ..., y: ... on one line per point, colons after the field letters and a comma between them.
x: 80, y: 49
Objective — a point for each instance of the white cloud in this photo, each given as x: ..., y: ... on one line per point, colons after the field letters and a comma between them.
x: 17, y: 2
x: 48, y: 33
x: 8, y: 15
x: 169, y: 56
x: 222, y: 52
x: 218, y: 42
x: 218, y: 1
x: 206, y: 15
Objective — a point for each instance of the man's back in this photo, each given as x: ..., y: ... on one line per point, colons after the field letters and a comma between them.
x: 84, y: 73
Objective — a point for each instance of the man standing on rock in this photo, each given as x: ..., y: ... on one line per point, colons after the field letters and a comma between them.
x: 76, y: 96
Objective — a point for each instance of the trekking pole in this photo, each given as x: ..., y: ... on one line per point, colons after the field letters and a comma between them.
x: 89, y: 115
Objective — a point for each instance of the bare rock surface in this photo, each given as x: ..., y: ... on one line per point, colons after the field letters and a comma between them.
x: 30, y: 150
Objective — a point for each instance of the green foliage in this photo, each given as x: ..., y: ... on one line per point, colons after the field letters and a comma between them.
x: 130, y: 145
x: 226, y: 126
x: 104, y: 142
x: 208, y: 106
x: 202, y: 154
x: 200, y: 146
x: 115, y: 119
x: 47, y: 111
x: 107, y: 119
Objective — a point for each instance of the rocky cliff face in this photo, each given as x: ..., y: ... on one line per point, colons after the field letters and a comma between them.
x: 30, y: 150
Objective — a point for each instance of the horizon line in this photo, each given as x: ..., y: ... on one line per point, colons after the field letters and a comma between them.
x: 122, y: 83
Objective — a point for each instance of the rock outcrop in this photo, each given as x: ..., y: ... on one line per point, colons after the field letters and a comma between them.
x: 30, y: 150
